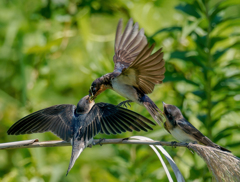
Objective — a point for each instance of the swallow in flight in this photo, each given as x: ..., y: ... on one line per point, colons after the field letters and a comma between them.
x: 184, y: 131
x: 136, y: 70
x: 79, y: 124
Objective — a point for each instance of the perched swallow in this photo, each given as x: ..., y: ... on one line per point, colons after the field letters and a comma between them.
x: 80, y: 124
x: 136, y: 71
x: 184, y: 131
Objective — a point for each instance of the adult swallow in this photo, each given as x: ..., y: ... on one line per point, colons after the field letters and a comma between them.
x: 136, y: 71
x: 184, y: 131
x: 80, y: 124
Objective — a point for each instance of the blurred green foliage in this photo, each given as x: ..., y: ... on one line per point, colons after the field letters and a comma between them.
x: 51, y: 51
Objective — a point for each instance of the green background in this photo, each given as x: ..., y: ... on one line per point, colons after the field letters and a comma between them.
x: 51, y: 51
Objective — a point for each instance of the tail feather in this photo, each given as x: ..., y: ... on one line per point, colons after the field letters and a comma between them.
x: 214, y: 145
x: 155, y: 112
x: 224, y: 149
x: 77, y: 148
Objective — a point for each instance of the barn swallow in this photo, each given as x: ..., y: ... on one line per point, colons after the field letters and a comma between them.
x: 136, y: 71
x: 184, y: 131
x: 80, y: 124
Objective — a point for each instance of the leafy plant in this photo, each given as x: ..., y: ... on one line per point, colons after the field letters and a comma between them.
x: 50, y: 52
x: 204, y: 66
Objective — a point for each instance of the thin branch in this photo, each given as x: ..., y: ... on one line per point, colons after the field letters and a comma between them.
x: 223, y: 165
x: 34, y: 143
x: 59, y: 143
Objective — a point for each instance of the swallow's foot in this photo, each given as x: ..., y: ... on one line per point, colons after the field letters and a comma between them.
x: 174, y: 144
x: 99, y: 142
x: 125, y: 103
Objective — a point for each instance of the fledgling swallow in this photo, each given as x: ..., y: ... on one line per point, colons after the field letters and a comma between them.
x: 136, y: 71
x: 80, y: 124
x: 184, y: 131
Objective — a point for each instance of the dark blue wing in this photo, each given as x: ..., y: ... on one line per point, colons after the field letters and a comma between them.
x: 56, y: 119
x: 111, y: 119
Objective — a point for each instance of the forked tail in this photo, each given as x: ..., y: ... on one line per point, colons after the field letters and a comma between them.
x: 155, y: 112
x: 223, y: 149
x: 214, y: 145
x: 77, y: 148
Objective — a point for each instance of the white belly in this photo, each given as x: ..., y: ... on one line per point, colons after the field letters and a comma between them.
x: 181, y: 136
x: 126, y: 91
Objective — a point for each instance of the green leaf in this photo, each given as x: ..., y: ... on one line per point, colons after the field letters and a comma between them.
x: 188, y: 9
x: 202, y: 118
x: 190, y: 56
x: 220, y: 136
x: 190, y: 27
x: 215, y: 40
x: 235, y: 144
x: 226, y: 82
x: 229, y: 129
x: 169, y: 29
x: 222, y: 6
x: 215, y: 21
x: 200, y: 93
x: 178, y: 77
x: 236, y: 45
x: 218, y: 54
x: 214, y: 122
x: 225, y: 24
x: 174, y: 78
x: 225, y: 133
x: 234, y: 62
x: 200, y: 40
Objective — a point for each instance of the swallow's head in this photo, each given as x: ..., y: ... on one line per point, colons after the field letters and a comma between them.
x: 97, y: 87
x: 172, y: 113
x: 85, y: 105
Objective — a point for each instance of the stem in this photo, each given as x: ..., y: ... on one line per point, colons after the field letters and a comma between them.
x: 208, y: 84
x: 59, y: 143
x: 34, y: 143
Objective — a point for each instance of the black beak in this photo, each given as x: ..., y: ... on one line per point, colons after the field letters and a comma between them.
x: 91, y: 94
x: 164, y: 107
x: 164, y: 104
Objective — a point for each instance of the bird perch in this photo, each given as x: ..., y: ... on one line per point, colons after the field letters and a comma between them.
x: 223, y: 165
x: 59, y: 143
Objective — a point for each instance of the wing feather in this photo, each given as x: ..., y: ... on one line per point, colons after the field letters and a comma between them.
x: 115, y: 119
x: 56, y: 119
x: 128, y: 45
x: 113, y: 124
x: 145, y: 71
x: 188, y: 128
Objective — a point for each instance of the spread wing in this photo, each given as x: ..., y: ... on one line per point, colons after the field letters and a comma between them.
x: 134, y: 60
x: 115, y: 119
x: 128, y: 44
x: 56, y: 119
x: 145, y: 71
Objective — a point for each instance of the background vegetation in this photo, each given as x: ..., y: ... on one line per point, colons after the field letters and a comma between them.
x: 51, y: 51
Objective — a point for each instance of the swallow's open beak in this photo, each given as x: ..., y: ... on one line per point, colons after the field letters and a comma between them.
x: 90, y: 100
x: 164, y: 104
x: 91, y: 96
x: 164, y: 108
